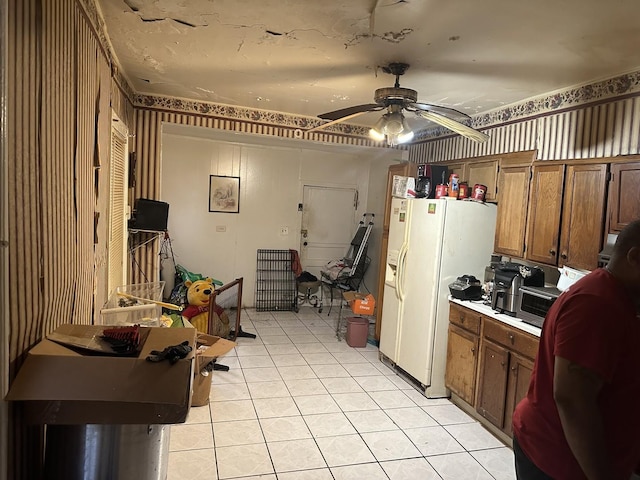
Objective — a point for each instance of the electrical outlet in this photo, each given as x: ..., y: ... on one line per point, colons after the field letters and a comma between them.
x: 284, y: 231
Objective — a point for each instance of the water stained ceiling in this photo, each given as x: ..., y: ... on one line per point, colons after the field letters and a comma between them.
x: 308, y: 57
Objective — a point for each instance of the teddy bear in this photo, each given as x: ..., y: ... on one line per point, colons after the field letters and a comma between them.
x: 197, y: 312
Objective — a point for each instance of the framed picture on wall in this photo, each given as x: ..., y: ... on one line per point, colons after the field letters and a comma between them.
x: 224, y: 194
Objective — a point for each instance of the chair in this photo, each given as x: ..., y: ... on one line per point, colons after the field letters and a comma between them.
x: 347, y: 273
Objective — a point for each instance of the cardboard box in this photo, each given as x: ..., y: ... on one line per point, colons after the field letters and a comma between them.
x: 360, y: 303
x: 68, y: 386
x: 202, y: 378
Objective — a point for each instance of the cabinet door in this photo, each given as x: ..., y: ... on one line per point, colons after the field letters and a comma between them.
x: 462, y: 360
x: 405, y: 170
x: 458, y: 167
x: 520, y: 370
x: 583, y: 215
x: 545, y: 202
x: 624, y: 196
x: 513, y: 188
x: 485, y: 173
x: 492, y: 380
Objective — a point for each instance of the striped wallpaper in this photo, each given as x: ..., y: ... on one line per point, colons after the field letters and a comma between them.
x: 604, y: 129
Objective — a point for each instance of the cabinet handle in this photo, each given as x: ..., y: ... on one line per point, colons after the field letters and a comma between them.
x: 552, y: 252
x: 511, y: 337
x: 563, y: 256
x: 461, y: 319
x: 502, y: 363
x: 473, y: 349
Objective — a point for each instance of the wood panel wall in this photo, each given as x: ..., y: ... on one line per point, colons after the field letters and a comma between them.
x: 60, y: 92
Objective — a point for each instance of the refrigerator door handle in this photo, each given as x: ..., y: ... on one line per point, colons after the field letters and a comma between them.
x: 400, y: 273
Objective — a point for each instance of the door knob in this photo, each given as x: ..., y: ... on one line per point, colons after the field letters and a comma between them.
x: 305, y: 243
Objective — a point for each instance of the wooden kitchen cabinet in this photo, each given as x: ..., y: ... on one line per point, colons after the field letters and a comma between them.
x: 455, y: 167
x: 492, y: 380
x: 462, y: 352
x: 484, y: 172
x: 583, y: 211
x: 405, y: 170
x: 624, y: 195
x: 545, y: 203
x: 489, y: 365
x: 520, y: 370
x: 506, y: 363
x: 567, y: 214
x: 513, y: 188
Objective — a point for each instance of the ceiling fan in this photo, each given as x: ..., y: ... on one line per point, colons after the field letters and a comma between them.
x: 392, y: 126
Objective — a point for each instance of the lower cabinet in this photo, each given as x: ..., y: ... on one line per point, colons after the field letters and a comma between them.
x: 520, y: 370
x: 492, y: 382
x: 462, y: 352
x: 489, y: 364
x: 462, y: 363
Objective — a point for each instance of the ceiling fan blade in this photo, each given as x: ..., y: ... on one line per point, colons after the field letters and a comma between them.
x: 339, y: 120
x: 454, y: 125
x: 345, y: 112
x: 446, y: 111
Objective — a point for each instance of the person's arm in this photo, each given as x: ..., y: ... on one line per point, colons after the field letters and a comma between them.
x: 575, y: 391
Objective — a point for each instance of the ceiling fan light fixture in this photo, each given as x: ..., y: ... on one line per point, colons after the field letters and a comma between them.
x: 395, y: 123
x: 376, y: 135
x: 378, y: 131
x: 405, y: 137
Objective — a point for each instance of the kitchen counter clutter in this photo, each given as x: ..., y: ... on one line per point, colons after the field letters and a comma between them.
x: 486, y: 310
x: 489, y: 362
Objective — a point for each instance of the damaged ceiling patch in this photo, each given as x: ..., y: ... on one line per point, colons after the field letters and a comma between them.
x: 391, y: 37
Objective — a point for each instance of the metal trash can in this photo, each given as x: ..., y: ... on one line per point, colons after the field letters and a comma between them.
x: 107, y: 452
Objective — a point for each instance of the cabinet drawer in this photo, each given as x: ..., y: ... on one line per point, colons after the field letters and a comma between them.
x: 464, y: 318
x: 511, y: 338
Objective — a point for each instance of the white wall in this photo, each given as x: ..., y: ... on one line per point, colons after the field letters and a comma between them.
x: 272, y: 175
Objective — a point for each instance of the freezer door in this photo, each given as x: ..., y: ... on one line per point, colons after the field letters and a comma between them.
x: 392, y: 306
x: 419, y: 283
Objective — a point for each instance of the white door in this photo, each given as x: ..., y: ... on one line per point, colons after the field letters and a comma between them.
x: 328, y: 225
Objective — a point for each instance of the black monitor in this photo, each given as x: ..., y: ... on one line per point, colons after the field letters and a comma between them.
x: 149, y: 215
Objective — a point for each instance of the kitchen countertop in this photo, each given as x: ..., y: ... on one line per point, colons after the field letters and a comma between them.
x: 487, y: 311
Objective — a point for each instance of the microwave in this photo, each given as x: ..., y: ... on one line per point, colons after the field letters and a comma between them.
x: 534, y: 303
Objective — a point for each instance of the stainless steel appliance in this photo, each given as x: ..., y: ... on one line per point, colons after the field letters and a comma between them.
x: 509, y: 277
x: 535, y: 302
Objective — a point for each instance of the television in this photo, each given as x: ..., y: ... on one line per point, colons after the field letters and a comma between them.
x: 150, y: 215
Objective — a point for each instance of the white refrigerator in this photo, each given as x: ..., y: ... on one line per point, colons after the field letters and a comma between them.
x: 431, y: 243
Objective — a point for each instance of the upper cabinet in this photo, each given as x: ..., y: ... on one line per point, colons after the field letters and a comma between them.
x: 575, y: 237
x: 514, y: 177
x: 484, y: 172
x: 544, y: 213
x: 456, y: 167
x: 624, y: 195
x: 583, y: 211
x: 513, y: 185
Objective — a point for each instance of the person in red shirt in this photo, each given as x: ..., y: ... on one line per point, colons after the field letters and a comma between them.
x: 581, y: 416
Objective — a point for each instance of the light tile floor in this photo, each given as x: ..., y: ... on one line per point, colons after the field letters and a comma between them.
x: 297, y: 404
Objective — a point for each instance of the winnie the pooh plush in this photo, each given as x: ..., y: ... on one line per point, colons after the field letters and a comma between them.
x: 197, y: 312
